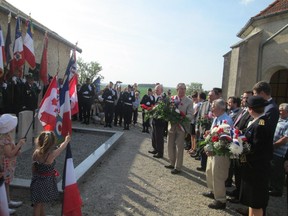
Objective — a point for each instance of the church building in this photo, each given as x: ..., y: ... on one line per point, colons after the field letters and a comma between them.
x: 261, y: 54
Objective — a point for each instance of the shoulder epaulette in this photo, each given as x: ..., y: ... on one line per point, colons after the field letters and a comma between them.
x: 261, y: 122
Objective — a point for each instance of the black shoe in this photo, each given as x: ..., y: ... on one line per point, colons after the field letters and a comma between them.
x: 197, y: 158
x: 169, y: 166
x: 175, y: 171
x: 153, y: 152
x: 201, y: 169
x: 110, y: 125
x: 233, y: 200
x: 106, y: 125
x: 208, y: 194
x: 83, y: 122
x: 275, y: 193
x: 158, y: 155
x: 143, y: 131
x: 147, y: 131
x: 217, y: 205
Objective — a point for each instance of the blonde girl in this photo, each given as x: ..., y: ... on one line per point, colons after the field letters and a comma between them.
x: 44, y: 185
x: 8, y: 154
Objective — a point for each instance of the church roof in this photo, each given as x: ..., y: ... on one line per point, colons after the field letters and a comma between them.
x: 274, y: 8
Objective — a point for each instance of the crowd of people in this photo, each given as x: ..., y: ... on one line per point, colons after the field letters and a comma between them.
x: 257, y: 175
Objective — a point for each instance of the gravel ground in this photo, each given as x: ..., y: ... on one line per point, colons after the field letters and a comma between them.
x: 129, y: 181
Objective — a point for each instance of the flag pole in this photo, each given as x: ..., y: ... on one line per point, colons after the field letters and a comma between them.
x: 36, y: 112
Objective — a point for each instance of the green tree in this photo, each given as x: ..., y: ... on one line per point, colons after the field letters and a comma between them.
x: 194, y: 86
x: 88, y: 70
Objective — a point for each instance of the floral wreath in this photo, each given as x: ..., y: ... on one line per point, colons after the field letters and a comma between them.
x: 226, y: 141
x: 167, y: 110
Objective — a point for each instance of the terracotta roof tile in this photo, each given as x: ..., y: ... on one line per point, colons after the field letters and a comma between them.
x: 276, y: 7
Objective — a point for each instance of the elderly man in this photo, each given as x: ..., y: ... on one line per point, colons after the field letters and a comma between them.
x: 176, y: 134
x: 217, y: 166
x: 158, y: 127
x: 205, y: 112
x: 280, y: 144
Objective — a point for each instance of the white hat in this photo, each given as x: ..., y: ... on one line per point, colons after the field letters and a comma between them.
x: 7, y: 123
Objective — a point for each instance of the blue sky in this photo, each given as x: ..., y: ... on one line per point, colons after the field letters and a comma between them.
x: 149, y: 41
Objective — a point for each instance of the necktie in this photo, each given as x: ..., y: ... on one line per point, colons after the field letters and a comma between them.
x: 239, y: 117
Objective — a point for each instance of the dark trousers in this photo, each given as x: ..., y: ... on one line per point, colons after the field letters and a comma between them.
x: 86, y: 105
x: 135, y: 116
x: 127, y: 114
x: 277, y: 178
x: 158, y: 135
x: 118, y: 115
x: 145, y: 123
x: 109, y: 110
x: 203, y: 159
x: 236, y: 171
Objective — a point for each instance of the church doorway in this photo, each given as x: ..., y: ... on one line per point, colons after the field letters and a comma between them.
x: 279, y: 85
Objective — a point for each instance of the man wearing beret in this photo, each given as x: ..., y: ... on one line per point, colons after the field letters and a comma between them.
x: 255, y: 165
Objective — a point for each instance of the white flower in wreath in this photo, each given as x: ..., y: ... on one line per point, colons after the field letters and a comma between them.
x: 208, y: 148
x: 236, y: 147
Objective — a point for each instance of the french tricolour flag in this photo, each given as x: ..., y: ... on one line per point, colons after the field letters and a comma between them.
x: 2, y: 53
x: 29, y: 45
x: 4, y: 210
x: 72, y: 201
x: 18, y: 48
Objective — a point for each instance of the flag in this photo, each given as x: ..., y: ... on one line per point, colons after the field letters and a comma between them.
x: 29, y: 45
x: 97, y: 84
x: 2, y: 53
x: 73, y: 95
x: 4, y: 209
x: 49, y: 106
x: 72, y: 201
x: 63, y: 124
x: 8, y: 50
x: 43, y: 72
x: 18, y: 52
x: 72, y: 66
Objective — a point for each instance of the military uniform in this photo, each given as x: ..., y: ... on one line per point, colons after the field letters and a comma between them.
x: 148, y: 101
x: 87, y: 92
x: 109, y: 96
x: 128, y: 99
x: 30, y: 96
x: 255, y: 165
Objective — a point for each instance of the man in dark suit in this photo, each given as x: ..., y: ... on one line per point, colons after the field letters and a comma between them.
x: 241, y: 121
x: 263, y: 89
x: 158, y: 127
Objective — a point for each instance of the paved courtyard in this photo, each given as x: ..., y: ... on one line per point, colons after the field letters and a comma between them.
x: 129, y: 181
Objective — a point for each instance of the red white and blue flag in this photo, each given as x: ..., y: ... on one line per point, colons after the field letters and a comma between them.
x: 64, y: 125
x: 43, y: 72
x: 49, y: 106
x: 4, y: 209
x: 73, y: 95
x: 8, y: 50
x: 18, y: 51
x: 72, y: 66
x: 72, y: 201
x: 2, y: 53
x: 29, y: 45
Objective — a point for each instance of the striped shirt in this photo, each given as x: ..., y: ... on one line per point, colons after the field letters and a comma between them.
x: 281, y: 131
